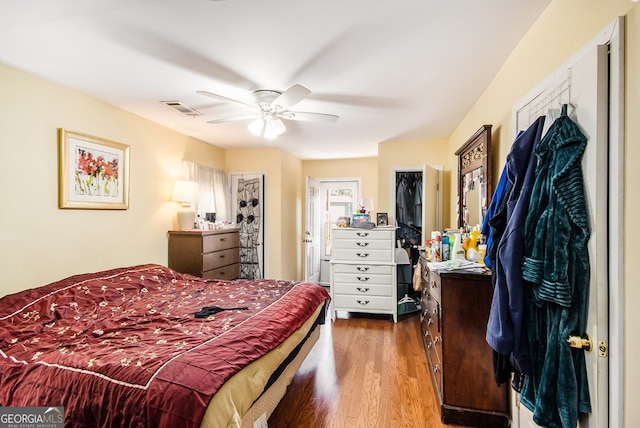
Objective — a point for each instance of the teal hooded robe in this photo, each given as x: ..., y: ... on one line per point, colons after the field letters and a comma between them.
x: 556, y: 274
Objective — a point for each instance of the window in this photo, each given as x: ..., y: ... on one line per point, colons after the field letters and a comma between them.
x: 212, y: 189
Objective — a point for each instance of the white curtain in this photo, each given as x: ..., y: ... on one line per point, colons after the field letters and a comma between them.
x: 212, y: 189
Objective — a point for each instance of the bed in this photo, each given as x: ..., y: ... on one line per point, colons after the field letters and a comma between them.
x: 145, y: 346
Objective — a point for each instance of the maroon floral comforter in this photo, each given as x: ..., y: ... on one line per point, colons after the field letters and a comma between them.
x: 123, y: 347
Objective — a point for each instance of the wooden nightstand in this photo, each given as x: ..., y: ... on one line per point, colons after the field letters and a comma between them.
x: 213, y: 254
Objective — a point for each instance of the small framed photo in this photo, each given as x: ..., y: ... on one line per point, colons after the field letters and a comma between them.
x: 94, y: 172
x: 383, y: 219
x: 360, y: 218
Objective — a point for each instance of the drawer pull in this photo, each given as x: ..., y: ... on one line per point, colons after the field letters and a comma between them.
x: 362, y: 290
x: 222, y: 256
x: 429, y: 345
x: 430, y: 321
x: 363, y: 278
x: 436, y: 340
x: 362, y: 244
x: 362, y: 234
x: 436, y: 368
x: 363, y: 255
x: 362, y: 268
x: 223, y: 239
x: 433, y: 284
x: 363, y: 302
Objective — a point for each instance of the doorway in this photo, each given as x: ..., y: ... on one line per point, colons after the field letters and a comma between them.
x: 336, y: 198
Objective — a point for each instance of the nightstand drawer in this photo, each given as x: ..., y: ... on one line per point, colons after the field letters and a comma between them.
x: 220, y: 258
x: 219, y: 242
x: 226, y: 272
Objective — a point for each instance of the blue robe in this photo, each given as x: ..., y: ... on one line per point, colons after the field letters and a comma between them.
x: 505, y: 331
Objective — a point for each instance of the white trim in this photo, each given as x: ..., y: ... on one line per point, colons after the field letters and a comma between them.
x: 616, y: 223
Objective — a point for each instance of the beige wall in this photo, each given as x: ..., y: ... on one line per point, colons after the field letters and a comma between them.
x: 283, y: 205
x: 412, y: 153
x: 364, y: 168
x: 564, y: 28
x: 40, y: 243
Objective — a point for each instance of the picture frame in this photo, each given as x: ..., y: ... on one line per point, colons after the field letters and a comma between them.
x: 382, y: 219
x: 360, y: 218
x: 93, y: 172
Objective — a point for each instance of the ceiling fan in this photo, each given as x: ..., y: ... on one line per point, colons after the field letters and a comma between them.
x: 269, y: 108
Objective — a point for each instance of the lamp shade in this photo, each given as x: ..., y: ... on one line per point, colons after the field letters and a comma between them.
x: 185, y: 192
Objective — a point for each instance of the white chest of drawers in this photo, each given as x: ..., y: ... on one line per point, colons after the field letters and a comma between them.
x: 363, y: 271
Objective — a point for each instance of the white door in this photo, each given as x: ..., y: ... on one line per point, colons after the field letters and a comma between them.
x: 312, y: 233
x: 247, y: 203
x: 583, y: 83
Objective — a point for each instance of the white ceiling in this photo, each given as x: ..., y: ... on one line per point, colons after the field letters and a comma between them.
x: 391, y: 69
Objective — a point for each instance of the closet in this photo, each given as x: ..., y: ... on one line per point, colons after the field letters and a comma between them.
x: 416, y: 211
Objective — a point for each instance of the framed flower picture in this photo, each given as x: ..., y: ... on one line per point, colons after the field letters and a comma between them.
x: 93, y: 172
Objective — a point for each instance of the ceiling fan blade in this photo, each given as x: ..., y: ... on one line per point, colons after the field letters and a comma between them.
x: 291, y: 96
x: 233, y: 118
x: 229, y: 100
x: 309, y: 117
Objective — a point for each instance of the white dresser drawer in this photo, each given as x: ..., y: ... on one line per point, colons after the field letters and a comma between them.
x: 363, y: 255
x: 359, y: 234
x: 363, y: 278
x: 363, y: 268
x: 361, y: 244
x: 365, y: 290
x: 363, y: 303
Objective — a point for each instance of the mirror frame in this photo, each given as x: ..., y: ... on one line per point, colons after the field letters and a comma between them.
x: 474, y: 154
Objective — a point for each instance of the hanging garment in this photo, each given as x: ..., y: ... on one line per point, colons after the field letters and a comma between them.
x: 556, y: 270
x: 417, y: 203
x: 496, y: 199
x: 505, y: 331
x: 403, y: 200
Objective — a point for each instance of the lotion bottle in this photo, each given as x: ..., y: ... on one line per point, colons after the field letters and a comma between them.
x: 458, y: 250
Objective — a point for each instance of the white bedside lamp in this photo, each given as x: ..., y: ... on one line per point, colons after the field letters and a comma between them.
x: 185, y: 192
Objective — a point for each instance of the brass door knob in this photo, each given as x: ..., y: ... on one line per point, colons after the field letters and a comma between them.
x: 580, y: 342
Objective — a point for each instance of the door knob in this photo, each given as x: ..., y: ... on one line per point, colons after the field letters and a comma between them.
x: 580, y: 342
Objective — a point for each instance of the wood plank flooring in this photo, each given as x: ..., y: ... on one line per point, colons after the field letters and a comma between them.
x: 364, y: 371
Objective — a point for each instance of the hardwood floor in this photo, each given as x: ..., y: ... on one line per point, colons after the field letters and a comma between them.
x: 364, y: 371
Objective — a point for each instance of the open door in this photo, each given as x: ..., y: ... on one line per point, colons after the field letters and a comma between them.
x: 312, y: 233
x: 583, y: 83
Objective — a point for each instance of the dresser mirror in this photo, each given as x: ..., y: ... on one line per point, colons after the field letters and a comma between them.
x: 474, y: 178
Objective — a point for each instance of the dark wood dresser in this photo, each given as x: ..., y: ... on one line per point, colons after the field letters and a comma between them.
x: 455, y: 310
x: 213, y: 254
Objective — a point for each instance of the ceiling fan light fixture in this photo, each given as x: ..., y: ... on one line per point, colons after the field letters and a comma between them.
x: 257, y: 126
x: 268, y: 128
x: 274, y: 128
